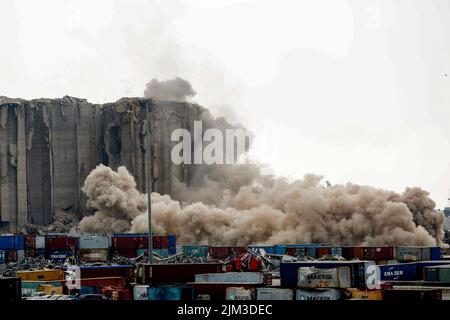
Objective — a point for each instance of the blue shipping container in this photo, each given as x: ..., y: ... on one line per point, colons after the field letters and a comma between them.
x: 58, y: 255
x: 268, y: 249
x: 359, y: 271
x: 11, y: 242
x: 172, y: 250
x: 398, y: 272
x: 172, y: 239
x: 431, y: 274
x: 280, y: 249
x: 170, y: 293
x: 435, y: 253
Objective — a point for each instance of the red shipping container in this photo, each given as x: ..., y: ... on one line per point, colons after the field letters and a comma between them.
x: 322, y: 252
x: 374, y: 253
x: 219, y: 252
x: 30, y: 242
x: 381, y: 253
x: 164, y: 242
x: 125, y: 242
x: 117, y: 282
x: 126, y: 253
x: 235, y: 251
x: 12, y: 256
x: 61, y: 243
x: 124, y: 272
x: 291, y: 251
x: 143, y: 242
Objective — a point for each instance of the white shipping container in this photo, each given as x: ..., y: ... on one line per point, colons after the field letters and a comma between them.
x: 140, y: 292
x: 94, y: 242
x: 20, y: 255
x: 237, y: 293
x: 241, y: 277
x: 40, y: 242
x: 319, y: 294
x: 311, y: 277
x: 274, y: 294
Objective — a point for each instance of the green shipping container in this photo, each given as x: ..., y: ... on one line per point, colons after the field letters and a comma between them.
x: 195, y: 251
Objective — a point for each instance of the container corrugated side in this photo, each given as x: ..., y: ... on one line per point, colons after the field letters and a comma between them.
x: 238, y: 293
x: 319, y: 294
x: 274, y: 294
x: 94, y: 242
x: 170, y: 293
x: 311, y: 277
x: 252, y: 277
x: 140, y: 292
x: 398, y: 272
x: 41, y: 275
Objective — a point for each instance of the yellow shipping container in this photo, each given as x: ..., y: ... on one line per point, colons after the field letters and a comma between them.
x: 365, y: 294
x: 41, y: 275
x: 48, y: 289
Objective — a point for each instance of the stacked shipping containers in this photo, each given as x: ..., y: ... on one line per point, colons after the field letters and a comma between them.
x: 94, y: 248
x: 12, y: 247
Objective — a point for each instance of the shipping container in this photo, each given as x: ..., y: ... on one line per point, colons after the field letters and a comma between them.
x: 420, y: 265
x: 123, y: 252
x: 195, y: 251
x: 15, y: 255
x: 172, y: 250
x: 411, y: 253
x: 61, y: 243
x: 93, y: 255
x: 267, y: 249
x: 374, y: 253
x: 219, y: 252
x: 12, y: 242
x: 140, y: 292
x: 358, y: 294
x: 398, y: 272
x: 311, y: 277
x: 184, y: 293
x: 238, y: 293
x: 40, y: 275
x: 58, y: 255
x: 113, y: 293
x: 319, y: 294
x: 94, y: 242
x: 124, y: 242
x: 438, y: 273
x: 174, y: 273
x: 172, y: 240
x: 431, y: 274
x: 142, y: 242
x: 49, y: 289
x: 31, y: 287
x: 274, y: 294
x: 361, y: 271
x: 103, y: 282
x: 124, y: 271
x: 412, y: 294
x: 302, y: 252
x: 235, y: 277
x: 217, y: 291
x: 2, y: 256
x: 34, y: 242
x: 10, y: 289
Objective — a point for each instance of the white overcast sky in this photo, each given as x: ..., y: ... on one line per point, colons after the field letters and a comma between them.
x: 353, y: 90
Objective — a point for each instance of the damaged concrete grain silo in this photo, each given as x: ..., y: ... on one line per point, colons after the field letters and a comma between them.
x: 49, y: 146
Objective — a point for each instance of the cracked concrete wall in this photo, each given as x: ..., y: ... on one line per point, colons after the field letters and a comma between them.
x: 49, y: 146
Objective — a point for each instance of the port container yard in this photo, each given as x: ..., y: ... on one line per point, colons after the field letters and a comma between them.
x: 116, y: 267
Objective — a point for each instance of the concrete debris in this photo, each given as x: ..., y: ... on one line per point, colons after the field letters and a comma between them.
x: 63, y: 222
x: 39, y: 263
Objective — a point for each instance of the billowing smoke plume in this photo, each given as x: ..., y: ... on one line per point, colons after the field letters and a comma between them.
x: 176, y: 89
x: 274, y: 212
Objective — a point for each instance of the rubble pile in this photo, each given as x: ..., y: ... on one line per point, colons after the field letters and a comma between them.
x: 63, y: 222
